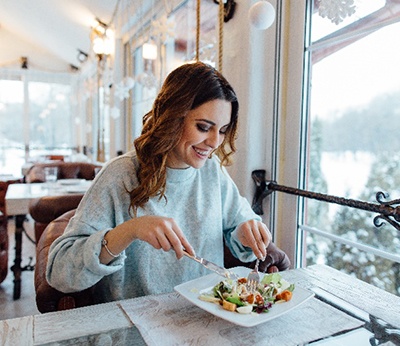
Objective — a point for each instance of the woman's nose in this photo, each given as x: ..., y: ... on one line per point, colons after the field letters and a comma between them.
x: 214, y: 140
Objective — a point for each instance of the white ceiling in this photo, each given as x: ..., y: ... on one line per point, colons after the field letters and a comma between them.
x: 48, y: 32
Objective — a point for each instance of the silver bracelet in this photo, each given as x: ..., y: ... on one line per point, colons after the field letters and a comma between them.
x: 104, y: 242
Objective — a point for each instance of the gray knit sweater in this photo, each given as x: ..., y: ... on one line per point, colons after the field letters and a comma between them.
x: 204, y: 202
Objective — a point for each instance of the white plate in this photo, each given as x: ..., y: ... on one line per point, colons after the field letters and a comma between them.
x: 192, y: 289
x: 70, y: 181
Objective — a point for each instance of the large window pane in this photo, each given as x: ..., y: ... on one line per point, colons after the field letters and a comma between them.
x: 12, y: 152
x: 354, y: 116
x: 50, y: 120
x: 35, y: 121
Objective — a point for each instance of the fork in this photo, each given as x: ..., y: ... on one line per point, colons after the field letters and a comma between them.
x: 253, y: 278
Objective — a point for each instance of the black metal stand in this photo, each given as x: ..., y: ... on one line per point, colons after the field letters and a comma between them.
x: 16, y: 268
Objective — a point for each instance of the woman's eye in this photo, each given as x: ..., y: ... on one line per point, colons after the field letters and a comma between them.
x: 203, y: 128
x: 223, y: 131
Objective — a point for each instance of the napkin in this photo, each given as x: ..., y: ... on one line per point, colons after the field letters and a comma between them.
x: 170, y: 319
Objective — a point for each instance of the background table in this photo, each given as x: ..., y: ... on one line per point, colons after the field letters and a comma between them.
x: 18, y: 198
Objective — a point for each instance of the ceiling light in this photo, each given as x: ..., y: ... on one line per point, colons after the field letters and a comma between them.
x: 102, y: 38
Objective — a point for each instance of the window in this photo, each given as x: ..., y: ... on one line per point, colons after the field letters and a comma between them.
x: 353, y: 114
x: 12, y: 151
x: 49, y: 117
x: 35, y: 119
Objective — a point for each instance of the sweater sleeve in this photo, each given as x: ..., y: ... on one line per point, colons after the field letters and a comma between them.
x: 73, y: 262
x: 236, y: 210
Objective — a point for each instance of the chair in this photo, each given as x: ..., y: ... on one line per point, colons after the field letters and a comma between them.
x: 51, y: 215
x: 54, y: 157
x: 48, y: 298
x: 45, y: 209
x: 3, y: 247
x: 66, y: 170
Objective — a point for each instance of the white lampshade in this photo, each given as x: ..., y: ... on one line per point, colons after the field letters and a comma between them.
x: 149, y: 51
x: 103, y: 43
x: 262, y: 15
x: 98, y: 45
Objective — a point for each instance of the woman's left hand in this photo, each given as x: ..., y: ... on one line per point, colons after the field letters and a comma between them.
x: 256, y: 235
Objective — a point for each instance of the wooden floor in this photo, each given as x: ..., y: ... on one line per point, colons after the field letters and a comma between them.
x: 26, y: 304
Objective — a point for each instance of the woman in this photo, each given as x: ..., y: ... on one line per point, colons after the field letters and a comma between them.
x: 171, y: 193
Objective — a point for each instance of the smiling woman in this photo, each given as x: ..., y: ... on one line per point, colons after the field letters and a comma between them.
x: 171, y: 193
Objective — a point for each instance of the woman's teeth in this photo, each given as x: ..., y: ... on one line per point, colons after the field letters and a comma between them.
x: 201, y: 152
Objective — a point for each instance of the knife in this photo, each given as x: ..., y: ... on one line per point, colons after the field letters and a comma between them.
x: 227, y: 274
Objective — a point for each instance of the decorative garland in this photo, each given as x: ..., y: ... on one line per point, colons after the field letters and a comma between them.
x: 221, y: 34
x: 198, y: 25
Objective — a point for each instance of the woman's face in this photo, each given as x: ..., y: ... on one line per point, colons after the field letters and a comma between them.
x: 204, y: 130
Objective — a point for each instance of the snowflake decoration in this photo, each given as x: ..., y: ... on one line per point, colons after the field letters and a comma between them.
x: 336, y: 10
x: 147, y: 79
x: 122, y: 88
x: 163, y: 28
x: 115, y: 113
x: 208, y: 49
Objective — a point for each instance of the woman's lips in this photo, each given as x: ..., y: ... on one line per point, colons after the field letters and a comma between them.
x: 202, y: 153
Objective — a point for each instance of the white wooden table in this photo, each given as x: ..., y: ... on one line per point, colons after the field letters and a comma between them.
x: 18, y: 198
x: 344, y: 309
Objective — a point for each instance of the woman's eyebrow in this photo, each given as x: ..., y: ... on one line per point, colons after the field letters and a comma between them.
x: 207, y: 121
x: 210, y: 122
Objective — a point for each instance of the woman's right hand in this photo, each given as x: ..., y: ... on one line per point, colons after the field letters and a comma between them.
x: 160, y: 232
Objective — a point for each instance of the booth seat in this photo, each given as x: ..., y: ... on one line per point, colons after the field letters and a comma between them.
x: 66, y: 170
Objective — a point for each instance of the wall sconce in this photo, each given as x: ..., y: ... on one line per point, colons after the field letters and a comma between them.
x: 102, y: 38
x: 149, y: 51
x: 229, y: 8
x: 24, y: 62
x: 82, y: 56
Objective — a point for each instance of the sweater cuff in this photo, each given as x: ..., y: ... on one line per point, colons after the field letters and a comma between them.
x: 92, y: 252
x: 243, y: 253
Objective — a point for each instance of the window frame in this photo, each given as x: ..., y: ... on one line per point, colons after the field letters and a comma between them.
x: 296, y: 67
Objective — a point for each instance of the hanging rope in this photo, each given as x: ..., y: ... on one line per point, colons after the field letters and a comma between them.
x: 221, y: 34
x: 198, y: 24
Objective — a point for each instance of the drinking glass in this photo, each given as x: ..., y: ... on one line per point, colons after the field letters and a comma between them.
x: 51, y: 174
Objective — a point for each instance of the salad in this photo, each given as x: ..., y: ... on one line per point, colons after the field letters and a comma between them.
x: 235, y: 296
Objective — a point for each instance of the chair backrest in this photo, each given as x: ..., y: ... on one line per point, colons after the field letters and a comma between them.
x: 48, y: 298
x: 66, y: 170
x: 45, y: 209
x: 3, y: 190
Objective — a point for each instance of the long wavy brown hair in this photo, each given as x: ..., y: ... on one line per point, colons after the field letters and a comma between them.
x: 186, y: 88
